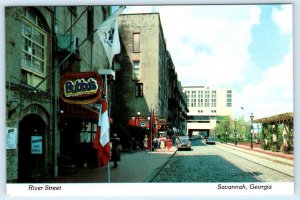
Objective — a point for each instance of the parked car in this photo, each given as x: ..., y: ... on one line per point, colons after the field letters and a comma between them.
x: 184, y: 143
x: 210, y: 140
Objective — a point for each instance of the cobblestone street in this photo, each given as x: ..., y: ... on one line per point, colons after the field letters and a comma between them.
x: 218, y: 163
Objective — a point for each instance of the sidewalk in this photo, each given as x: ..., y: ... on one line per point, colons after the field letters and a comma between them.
x: 287, y: 159
x: 133, y: 168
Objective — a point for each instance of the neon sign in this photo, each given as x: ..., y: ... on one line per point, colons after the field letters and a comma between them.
x: 81, y: 87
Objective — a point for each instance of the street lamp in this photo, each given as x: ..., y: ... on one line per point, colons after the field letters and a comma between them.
x: 242, y: 113
x: 226, y: 132
x: 235, y: 142
x: 251, y: 130
x: 138, y: 118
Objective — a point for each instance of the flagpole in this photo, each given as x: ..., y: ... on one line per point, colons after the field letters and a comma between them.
x: 151, y: 110
x: 108, y: 165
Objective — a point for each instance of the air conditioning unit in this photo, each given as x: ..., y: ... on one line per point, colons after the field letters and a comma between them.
x: 66, y: 43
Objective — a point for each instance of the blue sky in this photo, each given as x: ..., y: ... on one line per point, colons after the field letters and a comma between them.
x: 268, y: 45
x: 247, y: 48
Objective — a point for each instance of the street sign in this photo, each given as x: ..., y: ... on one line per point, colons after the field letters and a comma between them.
x: 36, y: 145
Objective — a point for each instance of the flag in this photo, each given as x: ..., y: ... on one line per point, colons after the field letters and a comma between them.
x: 109, y: 35
x: 101, y: 141
x: 153, y: 123
x: 152, y: 128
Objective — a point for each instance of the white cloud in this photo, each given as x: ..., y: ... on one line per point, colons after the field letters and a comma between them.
x: 209, y: 46
x: 283, y: 18
x: 273, y: 94
x: 219, y: 37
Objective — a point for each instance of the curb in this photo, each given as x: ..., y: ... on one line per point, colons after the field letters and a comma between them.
x: 155, y: 173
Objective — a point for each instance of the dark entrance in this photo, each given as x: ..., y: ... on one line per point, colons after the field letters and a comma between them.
x: 76, y: 145
x: 78, y: 125
x: 202, y: 132
x: 30, y: 165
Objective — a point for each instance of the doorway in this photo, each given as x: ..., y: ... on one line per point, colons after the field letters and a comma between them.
x: 30, y: 165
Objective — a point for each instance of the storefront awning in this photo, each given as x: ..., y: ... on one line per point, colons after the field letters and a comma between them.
x: 73, y: 111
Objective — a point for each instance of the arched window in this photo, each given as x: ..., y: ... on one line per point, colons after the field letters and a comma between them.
x: 34, y: 42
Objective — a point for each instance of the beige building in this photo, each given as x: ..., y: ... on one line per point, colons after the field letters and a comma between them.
x: 207, y: 105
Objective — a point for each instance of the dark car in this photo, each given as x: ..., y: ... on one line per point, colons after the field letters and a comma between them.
x: 210, y: 140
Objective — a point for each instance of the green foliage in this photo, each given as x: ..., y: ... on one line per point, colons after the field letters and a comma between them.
x: 226, y: 123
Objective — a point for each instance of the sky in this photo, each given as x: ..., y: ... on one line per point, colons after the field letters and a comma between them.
x: 246, y: 48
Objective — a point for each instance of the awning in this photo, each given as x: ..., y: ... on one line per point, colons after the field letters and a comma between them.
x: 73, y: 111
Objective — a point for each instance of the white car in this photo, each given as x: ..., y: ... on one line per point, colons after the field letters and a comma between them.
x: 184, y: 143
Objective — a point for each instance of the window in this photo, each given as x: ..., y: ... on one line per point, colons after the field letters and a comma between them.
x: 33, y: 59
x: 73, y: 10
x: 90, y: 21
x: 214, y: 94
x: 136, y: 70
x: 229, y: 103
x: 88, y: 132
x: 136, y: 42
x: 213, y: 103
x: 105, y: 13
x: 139, y: 89
x: 229, y: 98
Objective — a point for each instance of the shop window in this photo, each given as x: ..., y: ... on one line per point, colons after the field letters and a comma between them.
x: 88, y: 132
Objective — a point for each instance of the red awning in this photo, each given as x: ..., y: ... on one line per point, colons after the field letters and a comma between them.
x: 73, y: 111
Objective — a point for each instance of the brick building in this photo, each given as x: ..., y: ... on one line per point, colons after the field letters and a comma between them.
x: 37, y: 40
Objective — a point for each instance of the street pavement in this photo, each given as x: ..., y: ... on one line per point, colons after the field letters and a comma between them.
x: 133, y: 168
x: 143, y: 166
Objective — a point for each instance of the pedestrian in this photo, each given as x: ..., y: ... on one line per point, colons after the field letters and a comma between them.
x: 162, y: 143
x: 145, y: 142
x: 169, y: 143
x: 177, y: 140
x: 115, y: 150
x: 157, y: 143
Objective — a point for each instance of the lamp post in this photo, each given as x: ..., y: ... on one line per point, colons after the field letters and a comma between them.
x: 251, y: 130
x: 242, y: 108
x: 235, y: 142
x: 226, y: 132
x: 138, y: 118
x: 257, y: 134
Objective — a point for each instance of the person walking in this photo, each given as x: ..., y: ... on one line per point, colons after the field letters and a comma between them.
x: 169, y: 143
x: 115, y: 150
x: 145, y: 142
x: 162, y: 142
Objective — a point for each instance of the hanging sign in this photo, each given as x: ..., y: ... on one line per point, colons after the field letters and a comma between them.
x: 80, y: 87
x: 36, y: 144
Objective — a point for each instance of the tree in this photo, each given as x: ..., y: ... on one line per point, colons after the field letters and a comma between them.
x: 226, y: 123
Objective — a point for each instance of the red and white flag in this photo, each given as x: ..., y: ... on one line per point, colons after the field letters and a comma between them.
x: 101, y: 142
